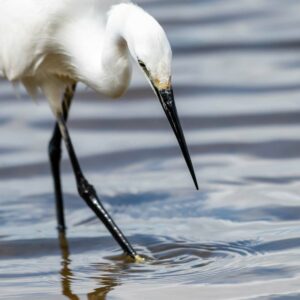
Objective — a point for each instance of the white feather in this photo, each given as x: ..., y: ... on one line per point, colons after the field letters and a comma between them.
x: 49, y: 44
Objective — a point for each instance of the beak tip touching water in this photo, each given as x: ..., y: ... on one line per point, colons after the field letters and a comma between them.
x: 166, y: 98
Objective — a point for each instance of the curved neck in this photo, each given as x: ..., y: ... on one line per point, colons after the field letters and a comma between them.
x: 112, y: 74
x: 118, y: 42
x: 115, y: 53
x: 116, y: 65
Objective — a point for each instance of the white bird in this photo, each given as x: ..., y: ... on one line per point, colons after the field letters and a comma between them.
x: 52, y: 45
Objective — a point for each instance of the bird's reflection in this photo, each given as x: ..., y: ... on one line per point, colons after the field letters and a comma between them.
x: 107, y: 283
x: 65, y: 272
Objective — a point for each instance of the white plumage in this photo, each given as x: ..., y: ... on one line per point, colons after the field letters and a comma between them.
x: 49, y: 44
x: 53, y: 44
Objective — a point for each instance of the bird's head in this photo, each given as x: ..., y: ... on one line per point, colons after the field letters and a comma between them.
x: 151, y: 49
x: 149, y: 46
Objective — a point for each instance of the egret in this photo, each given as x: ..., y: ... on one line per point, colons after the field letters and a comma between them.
x: 53, y: 45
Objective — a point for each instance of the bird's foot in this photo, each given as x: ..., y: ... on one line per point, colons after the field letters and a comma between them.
x: 139, y: 259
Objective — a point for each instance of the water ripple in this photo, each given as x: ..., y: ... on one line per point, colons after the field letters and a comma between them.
x: 237, y: 83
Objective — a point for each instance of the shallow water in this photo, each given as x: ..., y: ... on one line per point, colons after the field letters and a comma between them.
x: 237, y: 82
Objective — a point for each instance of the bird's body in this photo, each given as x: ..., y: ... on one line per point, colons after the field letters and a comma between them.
x: 48, y: 44
x: 52, y: 45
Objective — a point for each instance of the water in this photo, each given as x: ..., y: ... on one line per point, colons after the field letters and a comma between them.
x: 237, y: 82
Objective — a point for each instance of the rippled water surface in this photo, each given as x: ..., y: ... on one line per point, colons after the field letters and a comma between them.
x: 237, y: 84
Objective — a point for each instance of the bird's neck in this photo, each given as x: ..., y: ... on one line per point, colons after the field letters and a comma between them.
x: 112, y: 76
x: 115, y: 60
x: 118, y: 45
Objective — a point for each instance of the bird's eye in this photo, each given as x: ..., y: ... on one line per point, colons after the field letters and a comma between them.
x: 144, y: 68
x: 142, y: 64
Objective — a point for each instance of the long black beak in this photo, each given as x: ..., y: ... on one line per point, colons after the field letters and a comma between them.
x: 166, y: 98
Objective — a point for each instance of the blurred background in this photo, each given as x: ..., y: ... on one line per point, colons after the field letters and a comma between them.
x: 236, y: 77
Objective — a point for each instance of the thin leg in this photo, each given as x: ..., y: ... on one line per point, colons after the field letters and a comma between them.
x: 54, y: 150
x: 88, y: 193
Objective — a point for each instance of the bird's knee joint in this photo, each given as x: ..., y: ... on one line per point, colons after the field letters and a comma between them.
x: 85, y: 188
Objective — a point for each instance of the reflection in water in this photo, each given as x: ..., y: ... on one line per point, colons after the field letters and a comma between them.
x: 66, y: 273
x: 236, y: 79
x: 107, y: 282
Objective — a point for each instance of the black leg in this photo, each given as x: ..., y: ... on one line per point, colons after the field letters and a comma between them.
x: 88, y: 193
x: 55, y: 157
